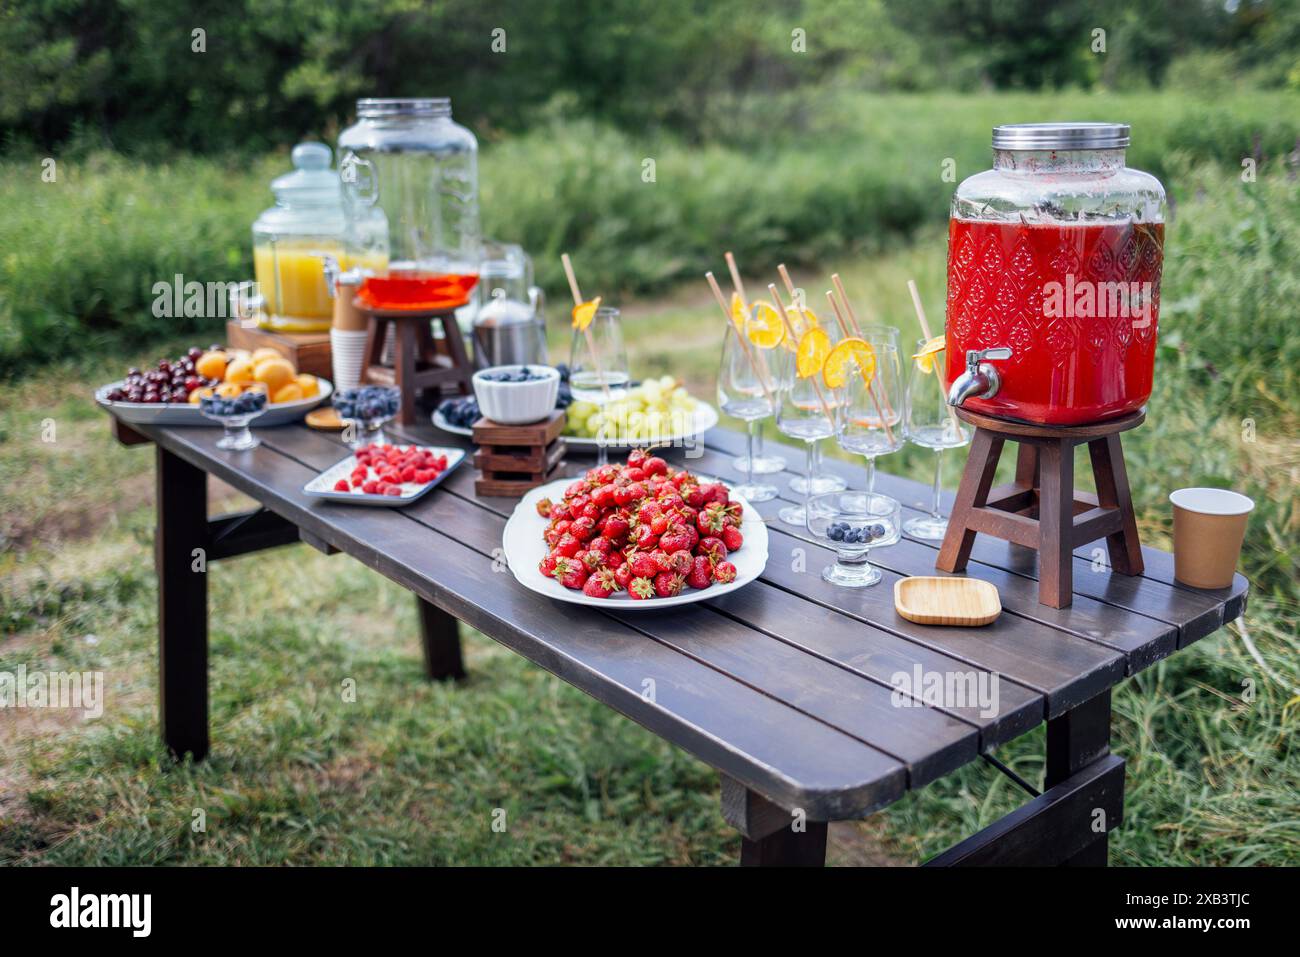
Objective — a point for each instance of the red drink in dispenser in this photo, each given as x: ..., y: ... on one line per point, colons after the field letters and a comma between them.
x: 1055, y: 255
x: 417, y: 290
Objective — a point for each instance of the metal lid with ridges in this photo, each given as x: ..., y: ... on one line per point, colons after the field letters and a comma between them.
x: 1061, y: 136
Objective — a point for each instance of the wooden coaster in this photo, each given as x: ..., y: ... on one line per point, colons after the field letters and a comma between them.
x: 326, y: 418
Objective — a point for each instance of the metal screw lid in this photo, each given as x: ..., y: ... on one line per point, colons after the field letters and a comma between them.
x: 1061, y: 136
x: 400, y: 106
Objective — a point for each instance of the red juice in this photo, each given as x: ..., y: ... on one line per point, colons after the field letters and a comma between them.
x: 1077, y: 304
x: 417, y: 289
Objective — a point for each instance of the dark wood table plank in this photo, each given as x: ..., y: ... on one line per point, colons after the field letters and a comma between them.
x: 930, y: 742
x: 790, y: 757
x: 1193, y: 613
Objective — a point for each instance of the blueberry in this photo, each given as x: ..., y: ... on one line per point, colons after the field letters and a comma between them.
x: 835, y: 533
x: 877, y: 531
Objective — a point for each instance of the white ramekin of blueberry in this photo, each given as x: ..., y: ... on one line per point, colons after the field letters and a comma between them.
x: 518, y: 394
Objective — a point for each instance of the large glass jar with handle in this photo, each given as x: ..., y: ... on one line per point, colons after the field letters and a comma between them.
x: 410, y: 191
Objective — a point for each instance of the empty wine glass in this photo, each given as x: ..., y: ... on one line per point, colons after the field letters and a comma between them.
x: 743, y: 380
x: 805, y: 411
x: 869, y: 416
x: 598, y: 371
x: 932, y: 424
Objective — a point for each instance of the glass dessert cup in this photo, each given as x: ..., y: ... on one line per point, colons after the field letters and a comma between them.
x: 853, y: 523
x: 366, y: 426
x: 238, y: 438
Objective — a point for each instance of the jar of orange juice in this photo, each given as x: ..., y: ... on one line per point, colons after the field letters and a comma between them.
x: 291, y: 238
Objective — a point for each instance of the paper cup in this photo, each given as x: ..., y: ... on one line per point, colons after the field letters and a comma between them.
x: 347, y: 354
x: 1209, y: 527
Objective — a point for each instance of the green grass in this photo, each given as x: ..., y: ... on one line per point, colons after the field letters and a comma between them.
x: 825, y: 175
x: 411, y: 773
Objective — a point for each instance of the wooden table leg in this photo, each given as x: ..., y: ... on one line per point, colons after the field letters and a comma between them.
x: 180, y: 557
x: 1075, y: 740
x: 787, y: 848
x: 440, y: 638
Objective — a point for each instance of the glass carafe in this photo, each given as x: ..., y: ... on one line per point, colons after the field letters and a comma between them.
x: 410, y: 192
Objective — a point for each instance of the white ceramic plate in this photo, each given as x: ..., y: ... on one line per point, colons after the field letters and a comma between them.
x: 706, y: 417
x: 322, y: 486
x: 178, y: 413
x: 525, y: 548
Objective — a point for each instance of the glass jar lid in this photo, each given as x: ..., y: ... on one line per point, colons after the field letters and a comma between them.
x: 312, y: 182
x: 1061, y: 136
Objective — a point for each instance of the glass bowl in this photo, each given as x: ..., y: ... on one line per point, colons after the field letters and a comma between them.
x: 235, y: 414
x: 366, y: 410
x: 853, y: 523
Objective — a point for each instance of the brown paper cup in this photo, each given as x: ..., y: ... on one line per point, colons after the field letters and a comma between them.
x: 1209, y: 527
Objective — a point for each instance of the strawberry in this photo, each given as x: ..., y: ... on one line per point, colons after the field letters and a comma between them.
x: 623, y: 575
x: 693, y: 535
x: 724, y: 572
x: 547, y: 565
x: 645, y: 537
x: 643, y: 565
x: 570, y: 573
x: 670, y: 501
x: 711, y: 520
x: 583, y: 528
x: 544, y: 506
x: 640, y: 588
x: 732, y: 538
x: 603, y: 496
x: 560, y: 510
x: 654, y: 466
x: 601, y: 545
x: 675, y: 539
x: 668, y: 584
x: 551, y: 537
x: 615, y: 527
x: 568, y: 546
x: 717, y: 492
x: 659, y: 524
x: 601, y: 584
x: 648, y: 510
x: 694, y: 495
x: 636, y: 458
x: 681, y: 561
x: 575, y: 489
x: 663, y: 560
x: 713, y: 547
x: 701, y: 573
x: 635, y: 474
x: 688, y: 515
x: 562, y: 525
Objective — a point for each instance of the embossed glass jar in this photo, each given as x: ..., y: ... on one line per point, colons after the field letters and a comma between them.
x: 1055, y: 254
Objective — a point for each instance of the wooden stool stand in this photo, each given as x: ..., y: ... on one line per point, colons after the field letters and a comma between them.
x: 1041, y: 509
x: 515, y: 458
x: 418, y: 364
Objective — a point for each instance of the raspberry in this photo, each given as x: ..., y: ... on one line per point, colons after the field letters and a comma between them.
x: 370, y: 488
x: 342, y: 486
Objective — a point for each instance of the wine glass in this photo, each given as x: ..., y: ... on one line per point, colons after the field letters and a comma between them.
x: 805, y: 411
x: 932, y: 424
x: 853, y: 523
x: 598, y: 371
x: 869, y: 417
x: 743, y: 380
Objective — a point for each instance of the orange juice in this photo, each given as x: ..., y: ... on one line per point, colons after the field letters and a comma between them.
x: 290, y: 275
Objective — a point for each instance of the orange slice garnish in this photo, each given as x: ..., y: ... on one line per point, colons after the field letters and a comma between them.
x: 814, y: 347
x: 584, y: 312
x: 764, y: 327
x: 925, y: 358
x: 849, y: 353
x: 737, y: 312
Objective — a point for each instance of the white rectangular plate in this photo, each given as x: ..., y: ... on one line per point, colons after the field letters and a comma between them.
x: 322, y: 486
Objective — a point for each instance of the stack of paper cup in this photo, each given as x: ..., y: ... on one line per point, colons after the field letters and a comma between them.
x: 347, y: 353
x: 348, y: 336
x: 1209, y: 526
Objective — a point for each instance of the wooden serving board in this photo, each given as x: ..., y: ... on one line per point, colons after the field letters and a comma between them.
x: 930, y: 600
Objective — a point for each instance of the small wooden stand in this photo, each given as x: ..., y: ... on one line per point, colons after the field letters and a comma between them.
x: 1041, y: 509
x: 308, y: 351
x: 516, y: 458
x: 418, y: 362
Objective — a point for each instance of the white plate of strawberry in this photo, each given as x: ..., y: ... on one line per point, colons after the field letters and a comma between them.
x: 638, y: 535
x: 385, y: 475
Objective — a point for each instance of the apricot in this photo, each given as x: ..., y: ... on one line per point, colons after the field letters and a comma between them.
x: 307, y: 382
x: 288, y: 393
x: 264, y: 353
x: 228, y: 390
x: 202, y: 393
x: 240, y: 371
x: 211, y: 365
x: 276, y: 373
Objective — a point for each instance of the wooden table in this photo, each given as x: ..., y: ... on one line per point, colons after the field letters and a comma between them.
x: 783, y: 686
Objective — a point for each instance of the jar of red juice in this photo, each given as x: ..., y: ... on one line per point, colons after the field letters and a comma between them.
x: 1055, y: 255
